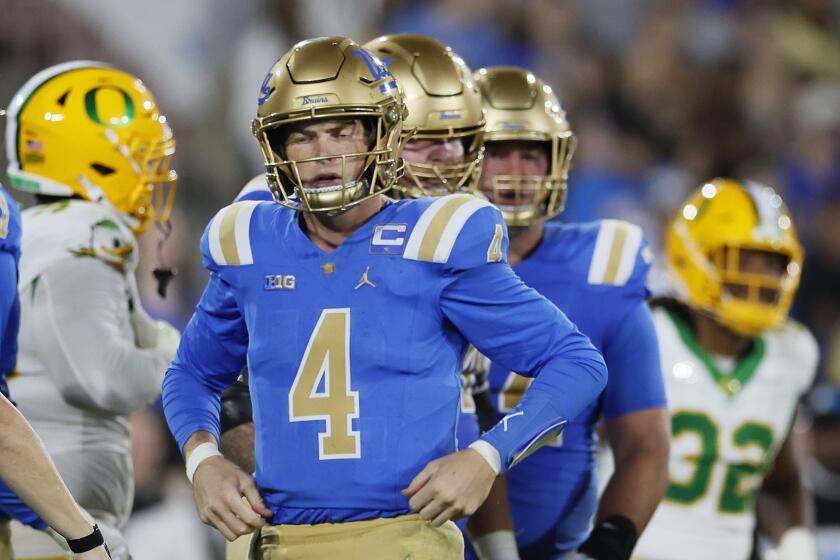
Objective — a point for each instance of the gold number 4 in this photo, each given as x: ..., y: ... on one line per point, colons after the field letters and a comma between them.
x: 327, y: 359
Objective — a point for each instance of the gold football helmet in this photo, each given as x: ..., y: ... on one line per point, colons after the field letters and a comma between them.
x: 443, y: 104
x: 520, y: 107
x: 330, y: 78
x: 87, y: 129
x: 706, y: 245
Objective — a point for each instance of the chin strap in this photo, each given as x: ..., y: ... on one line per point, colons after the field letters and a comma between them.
x: 163, y: 274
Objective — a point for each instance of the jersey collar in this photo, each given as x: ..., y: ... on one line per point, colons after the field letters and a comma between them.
x: 745, y: 366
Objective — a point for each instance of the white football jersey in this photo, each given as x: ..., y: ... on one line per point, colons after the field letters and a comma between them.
x: 81, y: 366
x: 728, y: 423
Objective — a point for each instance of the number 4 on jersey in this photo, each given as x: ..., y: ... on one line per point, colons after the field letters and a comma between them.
x: 327, y: 359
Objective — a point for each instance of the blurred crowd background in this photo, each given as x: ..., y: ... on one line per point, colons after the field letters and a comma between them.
x: 662, y: 94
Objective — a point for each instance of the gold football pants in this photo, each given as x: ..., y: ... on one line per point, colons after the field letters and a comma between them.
x: 406, y: 537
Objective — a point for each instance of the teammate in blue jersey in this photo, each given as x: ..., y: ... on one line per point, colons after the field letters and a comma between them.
x: 9, y: 302
x: 11, y: 507
x: 595, y: 273
x: 353, y: 314
x: 25, y: 462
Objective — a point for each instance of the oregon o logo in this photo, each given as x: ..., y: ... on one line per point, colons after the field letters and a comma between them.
x: 116, y: 119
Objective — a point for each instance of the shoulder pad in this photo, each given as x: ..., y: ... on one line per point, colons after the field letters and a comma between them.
x: 255, y: 189
x: 620, y: 254
x: 227, y: 240
x: 461, y: 230
x: 73, y: 228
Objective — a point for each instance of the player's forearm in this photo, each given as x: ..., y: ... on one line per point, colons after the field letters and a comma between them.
x: 189, y: 406
x: 564, y: 386
x: 640, y: 442
x: 782, y: 508
x: 637, y: 486
x: 27, y: 468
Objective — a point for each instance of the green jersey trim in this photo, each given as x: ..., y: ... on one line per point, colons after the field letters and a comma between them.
x: 745, y: 368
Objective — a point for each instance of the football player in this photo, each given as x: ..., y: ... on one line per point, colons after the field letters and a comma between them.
x: 442, y: 149
x: 596, y: 273
x: 735, y: 366
x: 91, y: 143
x: 353, y: 313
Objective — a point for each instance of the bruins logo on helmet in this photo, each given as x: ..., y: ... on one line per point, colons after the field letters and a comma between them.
x: 733, y: 252
x: 443, y: 104
x: 87, y: 129
x: 520, y: 107
x: 321, y: 80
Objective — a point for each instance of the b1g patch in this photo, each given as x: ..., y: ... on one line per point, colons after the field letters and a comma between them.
x: 388, y: 239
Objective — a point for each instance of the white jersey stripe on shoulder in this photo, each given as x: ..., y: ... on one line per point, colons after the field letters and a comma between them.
x: 454, y: 227
x: 213, y: 237
x: 628, y: 255
x: 412, y: 246
x: 242, y: 231
x: 601, y: 255
x: 258, y: 183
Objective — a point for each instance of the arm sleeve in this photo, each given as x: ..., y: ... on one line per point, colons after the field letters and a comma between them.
x: 212, y: 353
x: 83, y: 338
x: 631, y: 352
x: 522, y: 331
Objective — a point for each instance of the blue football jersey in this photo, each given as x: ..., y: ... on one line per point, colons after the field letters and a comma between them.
x: 595, y: 272
x: 355, y: 355
x: 10, y: 234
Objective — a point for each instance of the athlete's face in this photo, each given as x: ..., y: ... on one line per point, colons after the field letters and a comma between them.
x: 434, y: 152
x: 758, y: 263
x: 517, y: 159
x: 336, y: 137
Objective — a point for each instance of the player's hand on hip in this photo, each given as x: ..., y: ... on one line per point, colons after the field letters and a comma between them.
x: 450, y: 487
x: 227, y: 498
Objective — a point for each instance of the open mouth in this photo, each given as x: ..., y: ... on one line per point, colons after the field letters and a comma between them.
x: 327, y: 182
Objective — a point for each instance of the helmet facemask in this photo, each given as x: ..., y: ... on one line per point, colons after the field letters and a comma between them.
x: 377, y: 171
x: 529, y: 199
x: 439, y: 179
x: 752, y: 299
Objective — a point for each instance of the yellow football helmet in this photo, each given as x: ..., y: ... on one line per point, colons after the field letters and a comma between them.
x: 705, y: 245
x: 520, y: 107
x: 87, y: 129
x: 330, y: 78
x: 443, y: 103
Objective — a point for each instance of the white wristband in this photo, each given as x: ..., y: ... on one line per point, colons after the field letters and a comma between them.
x: 498, y: 545
x: 198, y: 455
x: 490, y: 454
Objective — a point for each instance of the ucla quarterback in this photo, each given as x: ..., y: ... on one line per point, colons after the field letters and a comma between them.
x: 596, y: 273
x: 442, y: 149
x: 443, y: 132
x: 90, y: 142
x: 735, y: 366
x: 352, y: 313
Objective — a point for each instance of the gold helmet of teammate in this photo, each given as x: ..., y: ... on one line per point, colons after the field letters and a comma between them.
x: 520, y: 107
x: 711, y: 242
x: 86, y: 129
x: 326, y: 79
x: 443, y: 104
